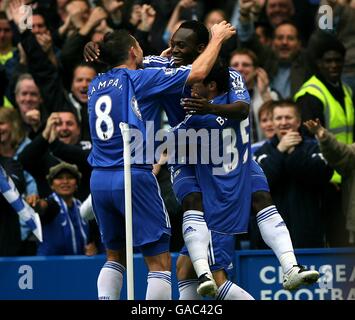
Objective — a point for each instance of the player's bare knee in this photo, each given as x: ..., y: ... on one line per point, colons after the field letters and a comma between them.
x: 220, y: 277
x: 160, y: 262
x: 117, y: 256
x: 260, y: 201
x: 184, y: 268
x: 192, y: 201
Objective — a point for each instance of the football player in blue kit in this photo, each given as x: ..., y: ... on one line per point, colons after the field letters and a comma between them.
x: 186, y: 44
x: 125, y: 94
x: 225, y: 185
x: 225, y: 198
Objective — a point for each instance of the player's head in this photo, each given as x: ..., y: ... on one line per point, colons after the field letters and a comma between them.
x: 286, y: 117
x: 216, y: 83
x: 329, y: 54
x: 189, y: 40
x: 119, y: 47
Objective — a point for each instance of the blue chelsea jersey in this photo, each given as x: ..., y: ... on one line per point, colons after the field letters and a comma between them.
x: 171, y: 103
x: 224, y: 174
x: 130, y: 96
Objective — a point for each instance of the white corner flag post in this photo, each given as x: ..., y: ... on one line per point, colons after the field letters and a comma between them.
x: 128, y: 208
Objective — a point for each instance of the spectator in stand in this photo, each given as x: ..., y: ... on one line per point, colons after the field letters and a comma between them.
x: 64, y: 231
x: 76, y: 13
x: 341, y: 157
x: 264, y: 33
x: 265, y: 124
x: 60, y: 140
x: 297, y: 173
x: 275, y: 12
x: 29, y: 103
x: 217, y: 16
x: 8, y: 57
x: 257, y: 81
x: 176, y: 18
x: 12, y: 140
x: 49, y: 80
x: 326, y: 97
x: 10, y: 233
x: 344, y: 28
x: 285, y: 62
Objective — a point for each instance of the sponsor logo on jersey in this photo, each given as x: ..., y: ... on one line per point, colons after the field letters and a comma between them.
x: 238, y: 85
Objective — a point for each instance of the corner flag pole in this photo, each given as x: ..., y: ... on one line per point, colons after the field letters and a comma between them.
x: 128, y: 208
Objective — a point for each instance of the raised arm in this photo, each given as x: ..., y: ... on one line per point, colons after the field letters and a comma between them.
x: 205, y: 61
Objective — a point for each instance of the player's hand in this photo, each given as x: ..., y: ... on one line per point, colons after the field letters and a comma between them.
x: 196, y: 105
x: 91, y: 51
x: 315, y: 128
x: 166, y: 53
x: 289, y: 141
x: 222, y: 31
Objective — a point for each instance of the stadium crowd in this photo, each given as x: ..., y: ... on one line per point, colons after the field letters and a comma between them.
x: 282, y: 50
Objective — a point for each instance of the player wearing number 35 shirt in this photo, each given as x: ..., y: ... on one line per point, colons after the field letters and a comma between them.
x: 125, y: 94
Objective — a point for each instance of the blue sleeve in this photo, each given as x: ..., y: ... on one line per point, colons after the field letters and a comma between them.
x: 237, y: 88
x: 157, y: 62
x: 160, y: 81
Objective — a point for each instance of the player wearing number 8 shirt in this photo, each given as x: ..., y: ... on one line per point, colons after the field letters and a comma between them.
x: 125, y: 94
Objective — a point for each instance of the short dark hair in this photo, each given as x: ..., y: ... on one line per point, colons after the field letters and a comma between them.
x: 322, y: 42
x: 114, y: 47
x: 200, y: 30
x: 220, y: 74
x: 290, y: 23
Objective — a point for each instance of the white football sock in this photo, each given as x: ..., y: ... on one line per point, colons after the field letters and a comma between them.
x: 197, y: 237
x: 230, y: 291
x: 275, y: 234
x: 159, y: 285
x: 188, y: 290
x: 86, y: 209
x: 109, y: 282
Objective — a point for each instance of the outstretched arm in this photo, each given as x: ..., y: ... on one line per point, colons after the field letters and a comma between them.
x: 197, y: 105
